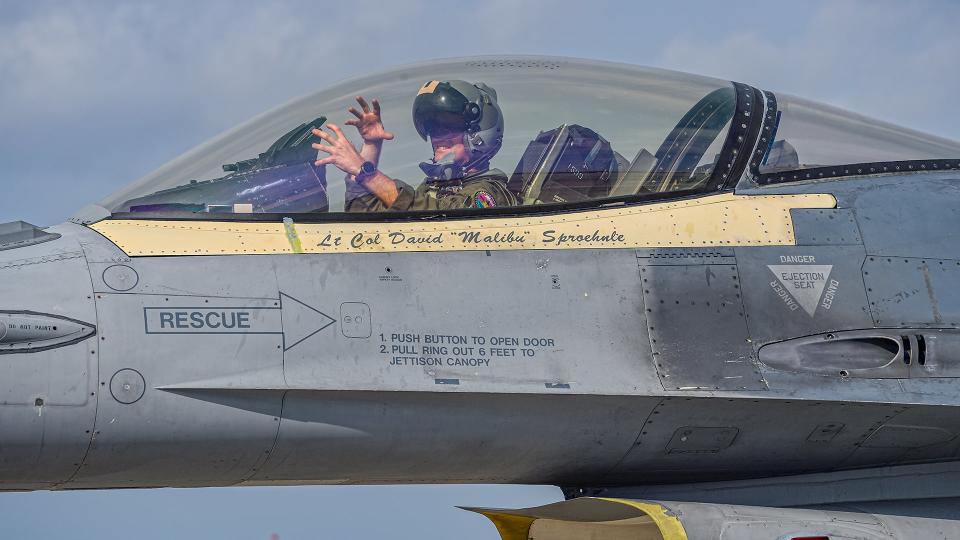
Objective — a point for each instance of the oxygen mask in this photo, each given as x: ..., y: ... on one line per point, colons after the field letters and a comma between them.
x: 444, y: 169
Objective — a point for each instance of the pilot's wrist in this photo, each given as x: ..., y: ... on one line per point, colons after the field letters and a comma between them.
x: 367, y: 171
x: 354, y: 169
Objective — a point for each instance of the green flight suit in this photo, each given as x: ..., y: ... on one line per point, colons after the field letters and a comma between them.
x: 483, y: 189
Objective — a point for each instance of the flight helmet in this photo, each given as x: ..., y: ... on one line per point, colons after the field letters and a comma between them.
x: 455, y: 106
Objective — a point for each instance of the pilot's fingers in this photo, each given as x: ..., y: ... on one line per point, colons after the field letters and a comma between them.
x: 352, y: 122
x: 355, y: 112
x: 323, y: 147
x: 324, y: 161
x: 387, y: 136
x: 336, y: 129
x: 328, y: 138
x: 331, y: 137
x: 363, y: 104
x: 322, y: 134
x: 376, y: 106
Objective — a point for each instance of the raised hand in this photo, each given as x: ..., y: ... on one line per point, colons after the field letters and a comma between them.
x: 368, y: 122
x: 342, y: 154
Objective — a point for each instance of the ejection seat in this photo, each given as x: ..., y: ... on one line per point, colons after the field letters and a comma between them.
x: 568, y: 164
x: 631, y: 180
x: 573, y: 163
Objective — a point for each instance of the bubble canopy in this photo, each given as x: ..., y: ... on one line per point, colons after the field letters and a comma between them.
x: 631, y: 108
x: 574, y: 131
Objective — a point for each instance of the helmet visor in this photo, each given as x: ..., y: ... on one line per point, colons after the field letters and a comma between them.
x: 440, y: 112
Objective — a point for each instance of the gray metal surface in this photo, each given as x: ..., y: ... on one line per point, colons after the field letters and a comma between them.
x: 658, y: 519
x: 911, y: 292
x: 338, y: 437
x: 89, y: 214
x: 908, y: 216
x: 728, y: 522
x: 308, y: 363
x: 778, y: 310
x: 902, y: 483
x: 18, y: 234
x: 819, y: 227
x: 751, y: 438
x: 515, y: 325
x: 698, y: 330
x: 176, y: 409
x: 47, y: 399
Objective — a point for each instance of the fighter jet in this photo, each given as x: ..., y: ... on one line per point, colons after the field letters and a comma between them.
x: 703, y: 309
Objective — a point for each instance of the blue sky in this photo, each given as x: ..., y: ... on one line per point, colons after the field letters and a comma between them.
x: 95, y: 94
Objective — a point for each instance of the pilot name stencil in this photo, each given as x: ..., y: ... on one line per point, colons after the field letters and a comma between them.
x: 514, y: 238
x: 803, y: 285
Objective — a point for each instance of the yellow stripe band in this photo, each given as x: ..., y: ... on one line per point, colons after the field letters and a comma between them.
x: 595, y: 518
x: 511, y: 527
x: 711, y: 221
x: 669, y: 525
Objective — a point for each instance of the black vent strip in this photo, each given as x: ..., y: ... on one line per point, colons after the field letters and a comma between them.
x: 741, y: 138
x: 921, y: 350
x: 767, y: 133
x: 860, y: 169
x: 722, y: 101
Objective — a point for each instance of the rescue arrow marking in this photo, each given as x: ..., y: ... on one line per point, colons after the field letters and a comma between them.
x: 292, y: 319
x: 300, y: 321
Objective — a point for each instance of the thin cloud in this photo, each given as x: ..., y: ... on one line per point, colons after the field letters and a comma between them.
x: 96, y: 94
x: 889, y: 60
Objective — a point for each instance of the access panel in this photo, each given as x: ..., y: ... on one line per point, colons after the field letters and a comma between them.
x: 695, y: 317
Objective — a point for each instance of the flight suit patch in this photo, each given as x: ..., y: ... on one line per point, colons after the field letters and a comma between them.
x: 483, y: 200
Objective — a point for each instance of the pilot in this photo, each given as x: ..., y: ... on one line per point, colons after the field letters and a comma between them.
x: 464, y: 125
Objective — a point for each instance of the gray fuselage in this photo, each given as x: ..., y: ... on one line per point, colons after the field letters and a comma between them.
x: 579, y: 367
